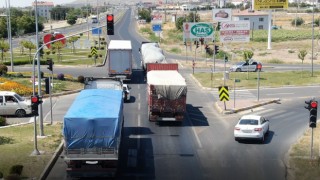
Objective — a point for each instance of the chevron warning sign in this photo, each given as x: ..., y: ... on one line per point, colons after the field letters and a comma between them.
x: 223, y: 93
x: 94, y: 51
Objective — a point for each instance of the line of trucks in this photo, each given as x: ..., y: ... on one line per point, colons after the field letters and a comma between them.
x: 93, y: 125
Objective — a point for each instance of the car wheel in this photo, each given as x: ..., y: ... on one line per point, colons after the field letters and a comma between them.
x: 238, y: 70
x: 267, y: 131
x: 21, y: 113
x: 236, y: 139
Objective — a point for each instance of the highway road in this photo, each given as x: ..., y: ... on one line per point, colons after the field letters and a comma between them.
x: 202, y: 147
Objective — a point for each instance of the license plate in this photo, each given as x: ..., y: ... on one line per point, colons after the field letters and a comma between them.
x: 247, y: 131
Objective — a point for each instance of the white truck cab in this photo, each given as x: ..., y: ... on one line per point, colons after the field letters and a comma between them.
x: 12, y: 103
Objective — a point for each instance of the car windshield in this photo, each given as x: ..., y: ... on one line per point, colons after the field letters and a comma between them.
x: 19, y: 97
x: 240, y: 63
x: 248, y: 122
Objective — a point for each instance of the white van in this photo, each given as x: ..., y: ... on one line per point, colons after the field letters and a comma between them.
x: 13, y: 104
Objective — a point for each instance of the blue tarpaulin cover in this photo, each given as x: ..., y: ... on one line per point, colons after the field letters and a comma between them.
x: 94, y: 119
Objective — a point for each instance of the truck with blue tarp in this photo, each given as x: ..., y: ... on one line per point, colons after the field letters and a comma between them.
x: 92, y: 133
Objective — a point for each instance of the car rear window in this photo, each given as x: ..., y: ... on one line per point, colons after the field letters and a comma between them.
x: 248, y: 122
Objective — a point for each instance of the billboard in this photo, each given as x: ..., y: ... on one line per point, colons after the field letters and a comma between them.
x: 235, y: 31
x: 198, y: 30
x: 221, y: 15
x: 270, y: 4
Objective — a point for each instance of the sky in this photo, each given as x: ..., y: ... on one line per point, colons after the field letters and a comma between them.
x: 24, y: 3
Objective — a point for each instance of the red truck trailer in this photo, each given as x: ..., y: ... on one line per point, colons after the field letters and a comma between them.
x: 166, y: 92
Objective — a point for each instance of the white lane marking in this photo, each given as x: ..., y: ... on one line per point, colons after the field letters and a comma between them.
x: 197, y: 138
x: 279, y: 94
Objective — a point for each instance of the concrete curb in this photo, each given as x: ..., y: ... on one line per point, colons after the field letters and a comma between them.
x: 51, y: 163
x: 231, y: 111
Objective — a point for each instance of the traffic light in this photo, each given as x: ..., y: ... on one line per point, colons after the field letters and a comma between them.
x: 226, y: 59
x: 197, y: 44
x: 35, y: 101
x: 216, y: 49
x: 201, y: 41
x: 207, y: 48
x: 313, y: 114
x: 110, y: 25
x: 50, y: 64
x: 185, y: 43
x: 218, y: 26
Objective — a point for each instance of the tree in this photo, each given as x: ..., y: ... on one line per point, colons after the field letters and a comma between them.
x: 72, y: 40
x: 145, y: 14
x: 58, y: 45
x: 302, y: 54
x: 247, y: 55
x: 29, y: 45
x: 4, y: 47
x: 71, y: 19
x: 179, y: 23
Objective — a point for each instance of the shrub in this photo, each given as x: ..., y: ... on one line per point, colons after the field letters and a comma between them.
x: 3, y: 69
x: 89, y: 55
x: 3, y: 121
x: 1, y: 175
x: 60, y: 76
x: 48, y: 52
x: 102, y: 48
x: 16, y: 169
x: 100, y: 55
x: 299, y: 20
x: 53, y: 52
x: 81, y: 34
x: 81, y: 79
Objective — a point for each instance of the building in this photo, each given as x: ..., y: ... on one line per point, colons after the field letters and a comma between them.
x: 258, y: 19
x: 43, y: 8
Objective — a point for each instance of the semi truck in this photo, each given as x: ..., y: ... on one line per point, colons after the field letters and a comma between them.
x: 92, y: 132
x: 166, y: 92
x: 119, y: 59
x: 108, y: 83
x: 151, y: 53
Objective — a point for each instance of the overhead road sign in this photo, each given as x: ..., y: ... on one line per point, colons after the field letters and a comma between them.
x: 270, y: 4
x: 223, y: 93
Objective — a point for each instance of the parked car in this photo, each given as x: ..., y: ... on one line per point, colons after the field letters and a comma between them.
x: 12, y: 103
x: 251, y: 127
x: 245, y: 66
x: 126, y: 92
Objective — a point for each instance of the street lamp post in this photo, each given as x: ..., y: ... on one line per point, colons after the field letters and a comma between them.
x: 9, y: 33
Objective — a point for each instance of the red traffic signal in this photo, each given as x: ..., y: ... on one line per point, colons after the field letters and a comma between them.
x: 314, y: 104
x: 35, y: 99
x: 110, y: 17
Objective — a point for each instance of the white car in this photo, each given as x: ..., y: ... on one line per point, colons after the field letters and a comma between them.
x: 126, y: 92
x: 251, y: 127
x: 13, y: 104
x: 245, y: 66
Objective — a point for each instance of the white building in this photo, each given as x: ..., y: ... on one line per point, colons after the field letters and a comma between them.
x: 258, y: 19
x: 43, y: 8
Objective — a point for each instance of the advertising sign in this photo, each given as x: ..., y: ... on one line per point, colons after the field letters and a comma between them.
x: 270, y: 4
x: 221, y: 15
x: 198, y: 30
x: 235, y: 31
